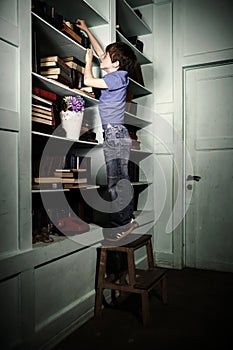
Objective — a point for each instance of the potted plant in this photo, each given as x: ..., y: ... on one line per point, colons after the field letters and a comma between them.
x: 71, y: 115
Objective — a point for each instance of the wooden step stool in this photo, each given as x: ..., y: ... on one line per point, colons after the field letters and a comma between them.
x: 139, y: 281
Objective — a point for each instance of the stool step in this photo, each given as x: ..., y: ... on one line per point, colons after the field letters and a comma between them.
x: 146, y: 279
x: 133, y: 242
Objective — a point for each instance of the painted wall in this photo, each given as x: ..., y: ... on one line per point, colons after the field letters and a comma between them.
x: 186, y: 33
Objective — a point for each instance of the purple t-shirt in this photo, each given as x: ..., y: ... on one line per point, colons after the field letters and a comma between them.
x: 113, y: 99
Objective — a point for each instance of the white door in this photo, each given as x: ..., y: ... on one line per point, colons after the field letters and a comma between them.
x: 209, y: 138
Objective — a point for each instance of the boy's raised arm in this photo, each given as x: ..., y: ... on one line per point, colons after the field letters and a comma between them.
x: 80, y: 23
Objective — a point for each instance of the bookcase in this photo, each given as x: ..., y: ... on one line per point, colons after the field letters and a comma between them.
x: 53, y: 282
x: 50, y: 41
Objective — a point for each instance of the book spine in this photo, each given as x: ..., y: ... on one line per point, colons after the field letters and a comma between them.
x: 42, y: 111
x: 75, y: 66
x: 40, y: 115
x: 44, y: 93
x: 59, y: 63
x: 42, y: 120
x: 60, y: 79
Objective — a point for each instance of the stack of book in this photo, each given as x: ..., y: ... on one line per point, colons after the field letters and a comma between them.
x: 72, y: 177
x: 42, y: 108
x: 74, y: 63
x: 78, y: 75
x: 72, y: 31
x: 68, y: 177
x: 53, y: 67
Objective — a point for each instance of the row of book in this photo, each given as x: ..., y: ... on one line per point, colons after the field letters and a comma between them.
x: 43, y: 108
x: 64, y: 176
x: 67, y: 170
x: 66, y: 70
x: 51, y: 15
x: 46, y: 118
x: 49, y: 164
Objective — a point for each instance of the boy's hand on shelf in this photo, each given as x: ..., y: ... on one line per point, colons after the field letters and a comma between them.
x: 81, y: 24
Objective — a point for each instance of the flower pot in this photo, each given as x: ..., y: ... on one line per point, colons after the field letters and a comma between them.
x: 71, y: 122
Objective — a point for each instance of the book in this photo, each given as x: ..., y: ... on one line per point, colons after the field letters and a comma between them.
x: 52, y: 59
x: 75, y: 66
x: 58, y: 71
x: 68, y: 63
x: 49, y: 95
x: 41, y: 115
x: 60, y: 79
x: 68, y: 31
x: 42, y: 120
x: 54, y: 179
x: 51, y: 62
x: 72, y: 186
x: 41, y: 99
x: 44, y: 110
x: 87, y: 89
x: 71, y: 58
x: 81, y: 170
x: 71, y: 173
x: 78, y: 79
x: 90, y: 94
x: 40, y: 108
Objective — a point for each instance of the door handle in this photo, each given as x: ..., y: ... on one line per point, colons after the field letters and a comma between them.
x: 193, y: 178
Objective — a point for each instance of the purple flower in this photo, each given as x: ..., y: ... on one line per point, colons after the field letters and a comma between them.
x: 75, y: 104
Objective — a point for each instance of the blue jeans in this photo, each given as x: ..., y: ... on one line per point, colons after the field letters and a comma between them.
x: 116, y: 148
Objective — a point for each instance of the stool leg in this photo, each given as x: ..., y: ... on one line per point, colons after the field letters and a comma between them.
x: 149, y: 254
x: 145, y: 308
x: 131, y: 267
x: 101, y: 275
x: 164, y: 289
x: 123, y: 281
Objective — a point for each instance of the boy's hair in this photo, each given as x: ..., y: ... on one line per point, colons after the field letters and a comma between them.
x: 121, y: 52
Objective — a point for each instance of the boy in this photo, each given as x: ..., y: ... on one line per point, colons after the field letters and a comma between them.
x: 117, y: 61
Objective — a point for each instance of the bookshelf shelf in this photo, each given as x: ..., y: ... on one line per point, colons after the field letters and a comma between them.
x: 131, y: 119
x: 82, y: 10
x: 136, y: 3
x: 141, y: 183
x: 63, y: 245
x: 137, y: 89
x: 138, y: 155
x: 129, y: 21
x: 61, y: 89
x: 141, y: 58
x: 57, y: 43
x: 50, y: 190
x: 81, y: 144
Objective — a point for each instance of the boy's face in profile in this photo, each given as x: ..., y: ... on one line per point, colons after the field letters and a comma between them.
x: 106, y: 64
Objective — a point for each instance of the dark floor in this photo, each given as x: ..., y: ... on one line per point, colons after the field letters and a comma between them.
x: 199, y: 314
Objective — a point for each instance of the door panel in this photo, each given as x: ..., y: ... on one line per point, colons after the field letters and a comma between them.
x: 209, y: 138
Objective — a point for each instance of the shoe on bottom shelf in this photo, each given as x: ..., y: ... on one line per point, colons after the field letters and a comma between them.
x: 115, y: 237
